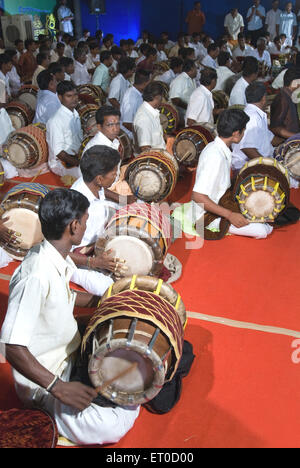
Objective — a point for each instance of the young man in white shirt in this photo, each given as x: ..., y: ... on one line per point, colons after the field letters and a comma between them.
x: 80, y: 76
x: 257, y: 140
x: 42, y: 367
x: 176, y: 65
x: 250, y: 73
x: 287, y: 24
x: 210, y: 60
x: 5, y: 68
x: 48, y: 102
x: 213, y: 180
x: 64, y: 133
x: 133, y: 99
x: 243, y: 49
x: 182, y: 87
x: 99, y: 167
x: 272, y: 19
x: 148, y: 132
x: 13, y: 76
x: 234, y: 24
x: 120, y: 83
x: 201, y: 103
x: 223, y: 71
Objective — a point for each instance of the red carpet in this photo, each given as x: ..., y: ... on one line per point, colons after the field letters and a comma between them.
x: 242, y: 389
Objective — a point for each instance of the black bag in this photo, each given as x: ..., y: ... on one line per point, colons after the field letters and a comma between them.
x: 171, y: 391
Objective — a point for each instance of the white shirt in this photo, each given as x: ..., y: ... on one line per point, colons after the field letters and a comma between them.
x: 166, y: 77
x: 237, y: 95
x: 64, y: 133
x: 6, y: 127
x: 287, y: 21
x: 118, y: 88
x: 208, y: 61
x: 45, y: 325
x: 257, y: 135
x: 65, y: 25
x: 272, y: 49
x: 234, y: 24
x: 98, y: 213
x: 223, y: 74
x: 132, y: 100
x: 161, y: 56
x: 5, y: 80
x: 48, y: 104
x: 201, y: 106
x: 14, y: 80
x: 264, y: 58
x: 38, y: 70
x: 212, y: 178
x: 238, y: 52
x: 272, y: 19
x: 80, y: 76
x: 147, y: 127
x: 279, y: 80
x: 182, y: 87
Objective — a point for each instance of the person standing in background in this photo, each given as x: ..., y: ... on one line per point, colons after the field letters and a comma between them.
x: 65, y: 17
x: 272, y: 19
x: 255, y: 18
x: 195, y: 19
x: 287, y: 24
x: 234, y: 25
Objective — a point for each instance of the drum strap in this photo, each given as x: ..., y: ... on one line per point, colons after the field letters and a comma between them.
x: 228, y: 202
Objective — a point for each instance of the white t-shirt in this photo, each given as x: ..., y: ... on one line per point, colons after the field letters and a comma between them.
x: 201, y: 106
x: 147, y: 127
x: 238, y: 52
x: 257, y: 135
x: 40, y: 313
x: 166, y: 77
x: 272, y: 19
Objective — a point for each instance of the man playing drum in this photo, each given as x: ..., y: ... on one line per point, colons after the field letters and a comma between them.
x: 42, y: 367
x: 99, y: 167
x: 213, y: 181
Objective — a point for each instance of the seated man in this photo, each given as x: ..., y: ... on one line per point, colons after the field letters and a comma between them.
x: 80, y: 76
x: 120, y: 83
x: 243, y: 49
x: 284, y: 114
x: 133, y: 99
x: 212, y: 54
x: 43, y: 61
x: 64, y: 133
x: 108, y: 126
x: 250, y: 73
x: 224, y: 71
x: 201, y: 103
x: 42, y: 367
x: 182, y: 87
x: 48, y: 102
x: 148, y: 132
x: 99, y: 167
x: 257, y: 140
x: 261, y: 54
x: 213, y: 181
x: 176, y: 65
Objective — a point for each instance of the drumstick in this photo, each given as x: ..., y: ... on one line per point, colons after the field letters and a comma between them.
x: 101, y: 388
x: 39, y: 173
x: 291, y: 163
x: 185, y: 156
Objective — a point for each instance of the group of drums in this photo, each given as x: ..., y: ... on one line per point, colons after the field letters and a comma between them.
x: 135, y: 338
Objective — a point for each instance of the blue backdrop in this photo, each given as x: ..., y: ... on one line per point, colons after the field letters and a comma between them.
x: 127, y: 18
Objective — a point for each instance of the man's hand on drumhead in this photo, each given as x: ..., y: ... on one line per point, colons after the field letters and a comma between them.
x: 74, y: 394
x: 105, y: 261
x: 238, y: 220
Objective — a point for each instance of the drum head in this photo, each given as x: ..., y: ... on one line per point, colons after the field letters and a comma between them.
x: 26, y: 223
x: 148, y: 183
x: 137, y: 254
x: 293, y: 167
x: 17, y: 120
x: 260, y: 204
x: 184, y: 148
x: 17, y: 155
x: 29, y: 99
